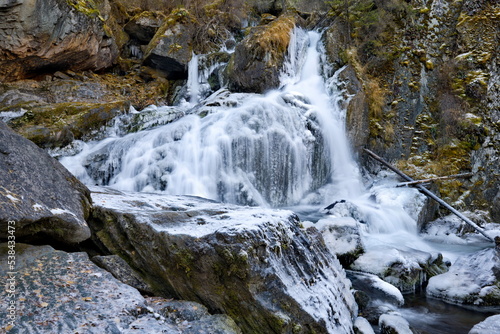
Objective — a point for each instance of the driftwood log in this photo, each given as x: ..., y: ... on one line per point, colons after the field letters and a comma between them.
x: 429, y: 194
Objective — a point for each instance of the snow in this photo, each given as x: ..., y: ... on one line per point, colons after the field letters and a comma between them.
x: 210, y: 216
x: 396, y: 322
x: 341, y: 235
x: 387, y: 288
x: 489, y: 326
x: 58, y: 211
x: 37, y: 207
x: 363, y: 326
x: 469, y: 279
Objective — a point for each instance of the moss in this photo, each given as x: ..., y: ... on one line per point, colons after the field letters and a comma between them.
x: 87, y: 7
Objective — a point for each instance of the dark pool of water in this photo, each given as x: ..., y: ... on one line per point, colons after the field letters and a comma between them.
x: 432, y: 316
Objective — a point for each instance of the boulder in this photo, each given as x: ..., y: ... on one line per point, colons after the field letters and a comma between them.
x: 41, y: 36
x: 38, y: 194
x: 406, y: 269
x: 254, y: 264
x: 170, y: 50
x: 144, y: 25
x: 257, y: 61
x: 393, y: 323
x: 362, y: 326
x: 342, y: 237
x: 472, y: 280
x: 490, y: 325
x: 57, y: 292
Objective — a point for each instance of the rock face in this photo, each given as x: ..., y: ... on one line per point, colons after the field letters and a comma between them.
x: 37, y: 36
x: 255, y: 265
x: 59, y: 292
x: 471, y: 280
x: 39, y: 194
x: 256, y: 63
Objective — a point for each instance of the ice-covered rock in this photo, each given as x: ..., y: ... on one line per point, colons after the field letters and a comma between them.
x: 342, y: 237
x: 57, y: 292
x: 405, y: 268
x: 376, y: 288
x: 490, y: 325
x: 256, y: 265
x: 453, y: 230
x: 393, y: 323
x: 473, y: 279
x: 362, y: 326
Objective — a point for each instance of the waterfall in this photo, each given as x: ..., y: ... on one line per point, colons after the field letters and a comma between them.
x: 252, y: 149
x: 284, y: 148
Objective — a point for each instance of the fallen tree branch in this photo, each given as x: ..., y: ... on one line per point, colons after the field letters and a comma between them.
x: 455, y: 176
x: 429, y: 194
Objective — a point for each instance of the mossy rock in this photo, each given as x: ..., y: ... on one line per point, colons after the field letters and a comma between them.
x: 56, y: 125
x: 258, y: 59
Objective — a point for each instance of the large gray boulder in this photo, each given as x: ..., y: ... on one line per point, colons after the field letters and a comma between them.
x: 58, y: 292
x: 255, y: 265
x: 38, y: 194
x: 38, y: 36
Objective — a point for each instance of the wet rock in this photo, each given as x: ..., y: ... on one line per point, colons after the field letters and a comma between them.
x: 373, y: 295
x: 472, y: 280
x: 39, y: 194
x: 120, y: 269
x: 39, y: 36
x: 257, y: 61
x: 357, y: 121
x: 253, y: 264
x: 193, y: 318
x: 59, y: 292
x: 490, y: 325
x: 376, y: 288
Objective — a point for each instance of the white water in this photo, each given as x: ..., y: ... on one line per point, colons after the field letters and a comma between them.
x: 286, y: 148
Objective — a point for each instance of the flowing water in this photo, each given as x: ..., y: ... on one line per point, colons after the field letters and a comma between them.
x: 286, y: 148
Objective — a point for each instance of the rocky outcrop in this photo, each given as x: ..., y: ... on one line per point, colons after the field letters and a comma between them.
x: 38, y: 36
x: 38, y: 194
x: 59, y: 292
x: 171, y: 49
x: 257, y: 61
x: 472, y: 280
x: 253, y: 264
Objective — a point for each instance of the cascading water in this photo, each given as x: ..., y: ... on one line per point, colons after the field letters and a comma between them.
x: 285, y: 148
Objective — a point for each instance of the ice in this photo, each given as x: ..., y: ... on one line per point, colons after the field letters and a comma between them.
x: 470, y: 279
x: 489, y: 326
x: 362, y: 326
x: 394, y: 323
